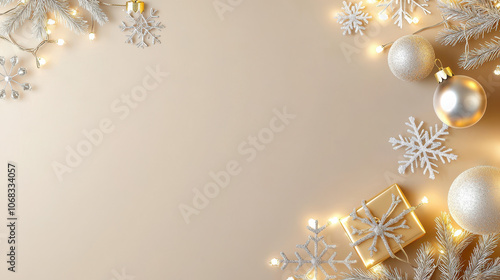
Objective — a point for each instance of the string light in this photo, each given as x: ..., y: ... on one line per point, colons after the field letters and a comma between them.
x: 274, y: 262
x: 377, y: 269
x: 333, y: 220
x: 425, y: 200
x: 457, y: 233
x: 383, y: 16
x: 415, y: 20
x: 290, y: 278
x: 60, y: 42
x: 48, y: 31
x: 497, y: 70
x: 313, y: 223
x: 379, y: 49
x: 370, y: 262
x: 51, y: 21
x: 42, y: 61
x: 73, y: 12
x: 91, y: 36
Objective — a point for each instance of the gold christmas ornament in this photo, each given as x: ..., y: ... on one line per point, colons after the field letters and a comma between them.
x: 411, y: 58
x: 474, y: 200
x: 459, y: 101
x: 135, y: 6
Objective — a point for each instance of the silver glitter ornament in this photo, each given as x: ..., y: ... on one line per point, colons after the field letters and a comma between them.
x: 411, y: 58
x: 474, y: 200
x: 459, y: 101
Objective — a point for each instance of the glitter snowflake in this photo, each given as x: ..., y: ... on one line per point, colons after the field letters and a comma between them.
x: 422, y: 148
x: 380, y: 228
x: 401, y: 10
x: 142, y: 29
x: 352, y: 18
x: 316, y: 260
x: 8, y: 78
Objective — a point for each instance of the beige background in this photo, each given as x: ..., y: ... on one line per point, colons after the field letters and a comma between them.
x: 119, y: 207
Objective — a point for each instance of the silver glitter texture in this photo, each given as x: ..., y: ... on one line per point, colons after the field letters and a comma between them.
x: 411, y: 58
x: 474, y: 200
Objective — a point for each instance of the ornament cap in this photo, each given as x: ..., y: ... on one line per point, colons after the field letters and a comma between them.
x: 444, y: 72
x: 135, y: 6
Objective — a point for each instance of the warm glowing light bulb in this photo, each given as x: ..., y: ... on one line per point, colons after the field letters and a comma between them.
x: 51, y: 21
x: 312, y: 223
x: 425, y: 200
x: 497, y: 70
x: 377, y: 269
x: 379, y: 49
x: 415, y: 20
x: 370, y: 262
x: 91, y: 36
x: 457, y: 233
x: 274, y: 262
x: 290, y: 278
x: 60, y: 42
x: 441, y: 251
x: 42, y: 61
x: 333, y: 220
x: 48, y: 31
x: 383, y: 16
x: 73, y: 12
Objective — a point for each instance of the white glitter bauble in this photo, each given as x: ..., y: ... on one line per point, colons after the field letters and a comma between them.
x: 411, y: 58
x: 474, y: 200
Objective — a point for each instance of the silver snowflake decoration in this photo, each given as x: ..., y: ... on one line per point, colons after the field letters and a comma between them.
x: 380, y: 228
x: 353, y: 18
x: 315, y: 260
x: 422, y: 148
x: 8, y: 78
x: 142, y: 29
x: 401, y: 10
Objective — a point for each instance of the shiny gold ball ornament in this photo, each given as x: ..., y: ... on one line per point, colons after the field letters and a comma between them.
x: 411, y: 58
x: 459, y: 101
x: 474, y: 200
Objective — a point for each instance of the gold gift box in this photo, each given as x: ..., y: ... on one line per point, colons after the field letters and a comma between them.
x: 378, y: 207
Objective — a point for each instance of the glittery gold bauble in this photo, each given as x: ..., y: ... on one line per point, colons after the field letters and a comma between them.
x: 474, y: 200
x: 459, y: 101
x: 411, y: 58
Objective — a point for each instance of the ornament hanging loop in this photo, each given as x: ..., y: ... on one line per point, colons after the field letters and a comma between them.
x: 438, y: 64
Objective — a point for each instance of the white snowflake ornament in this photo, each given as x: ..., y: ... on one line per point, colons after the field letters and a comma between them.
x: 352, y: 18
x: 423, y: 148
x: 142, y: 29
x: 316, y: 257
x: 382, y: 228
x: 401, y: 10
x: 8, y: 77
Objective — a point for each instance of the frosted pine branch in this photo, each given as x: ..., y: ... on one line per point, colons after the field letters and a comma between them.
x: 92, y: 6
x: 480, y: 256
x: 37, y: 11
x: 425, y: 262
x: 451, y: 246
x: 475, y: 19
x: 5, y: 2
x: 478, y: 56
